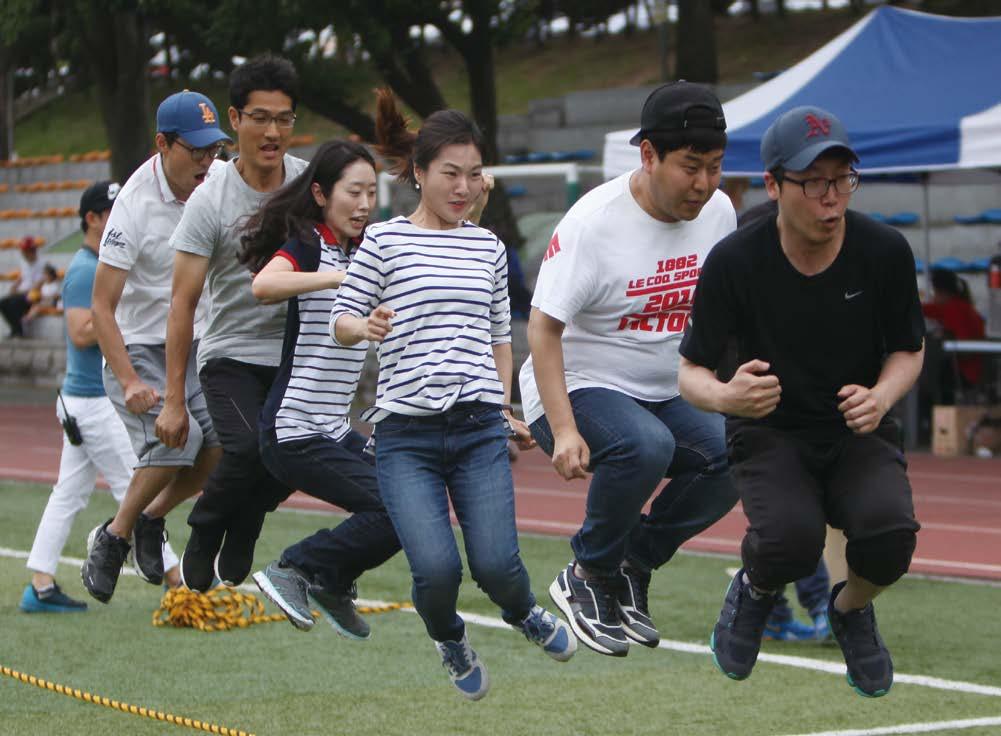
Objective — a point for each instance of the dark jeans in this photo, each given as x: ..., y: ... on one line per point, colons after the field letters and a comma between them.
x: 341, y: 472
x: 792, y: 488
x: 14, y: 307
x: 240, y: 491
x: 461, y: 454
x: 634, y: 446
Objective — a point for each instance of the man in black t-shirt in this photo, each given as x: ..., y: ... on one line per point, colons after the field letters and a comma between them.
x: 824, y: 306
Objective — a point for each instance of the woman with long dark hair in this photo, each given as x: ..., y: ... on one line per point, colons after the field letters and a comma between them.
x: 431, y: 289
x: 299, y: 245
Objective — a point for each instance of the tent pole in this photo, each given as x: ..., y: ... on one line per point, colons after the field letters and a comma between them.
x: 925, y: 220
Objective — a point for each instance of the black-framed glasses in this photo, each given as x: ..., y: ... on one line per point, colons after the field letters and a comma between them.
x: 198, y: 154
x: 262, y: 118
x: 815, y: 188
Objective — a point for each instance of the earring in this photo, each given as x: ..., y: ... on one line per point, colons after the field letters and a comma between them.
x: 417, y: 186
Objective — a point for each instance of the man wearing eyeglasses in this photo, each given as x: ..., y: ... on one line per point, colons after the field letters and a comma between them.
x: 130, y: 305
x: 824, y: 306
x: 240, y: 350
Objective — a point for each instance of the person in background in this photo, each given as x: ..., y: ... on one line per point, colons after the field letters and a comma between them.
x: 952, y: 309
x: 16, y: 304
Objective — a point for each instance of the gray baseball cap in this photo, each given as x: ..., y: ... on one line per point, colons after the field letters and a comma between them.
x: 800, y: 135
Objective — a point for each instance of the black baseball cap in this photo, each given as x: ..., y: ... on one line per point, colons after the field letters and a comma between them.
x: 98, y: 197
x: 679, y: 105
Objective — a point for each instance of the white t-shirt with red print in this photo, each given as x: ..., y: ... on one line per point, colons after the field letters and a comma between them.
x: 623, y: 283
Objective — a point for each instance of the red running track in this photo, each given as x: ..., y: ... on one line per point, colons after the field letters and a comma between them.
x: 958, y: 500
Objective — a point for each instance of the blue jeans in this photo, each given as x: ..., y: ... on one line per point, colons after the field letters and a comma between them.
x: 460, y: 454
x: 634, y: 445
x: 338, y: 472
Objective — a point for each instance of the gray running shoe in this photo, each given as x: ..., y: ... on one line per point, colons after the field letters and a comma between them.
x: 287, y: 588
x: 106, y: 554
x: 339, y: 609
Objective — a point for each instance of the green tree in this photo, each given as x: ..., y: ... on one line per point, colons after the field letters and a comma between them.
x: 696, y: 42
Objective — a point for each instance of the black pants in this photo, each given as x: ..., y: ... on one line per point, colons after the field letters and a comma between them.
x: 14, y: 307
x: 791, y: 488
x: 240, y: 491
x: 341, y: 473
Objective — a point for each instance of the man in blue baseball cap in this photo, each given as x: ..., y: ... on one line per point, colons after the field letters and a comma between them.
x: 130, y: 305
x: 824, y: 306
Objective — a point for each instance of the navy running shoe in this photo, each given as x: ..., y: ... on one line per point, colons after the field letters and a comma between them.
x: 464, y: 668
x: 870, y: 667
x: 634, y: 611
x: 549, y: 632
x: 592, y: 610
x: 736, y: 638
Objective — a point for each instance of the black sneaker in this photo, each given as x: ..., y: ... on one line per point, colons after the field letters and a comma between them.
x: 106, y: 554
x: 288, y: 590
x: 870, y: 668
x: 736, y: 638
x: 338, y: 608
x: 198, y: 559
x: 148, y: 536
x: 592, y: 610
x: 236, y: 557
x: 631, y: 596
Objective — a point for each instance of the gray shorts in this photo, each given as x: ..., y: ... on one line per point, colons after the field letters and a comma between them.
x: 150, y: 363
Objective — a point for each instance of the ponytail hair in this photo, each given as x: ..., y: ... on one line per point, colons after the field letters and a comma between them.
x: 292, y: 211
x: 405, y: 149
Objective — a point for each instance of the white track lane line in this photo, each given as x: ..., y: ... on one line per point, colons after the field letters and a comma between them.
x: 805, y: 663
x: 930, y: 727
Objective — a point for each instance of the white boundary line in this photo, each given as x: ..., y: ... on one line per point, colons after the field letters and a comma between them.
x: 913, y: 728
x: 805, y: 663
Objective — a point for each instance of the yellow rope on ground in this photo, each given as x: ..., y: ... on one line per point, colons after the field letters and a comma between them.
x: 223, y: 608
x: 124, y: 707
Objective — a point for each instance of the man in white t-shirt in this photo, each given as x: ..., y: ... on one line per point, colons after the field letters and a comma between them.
x: 600, y: 390
x: 130, y: 305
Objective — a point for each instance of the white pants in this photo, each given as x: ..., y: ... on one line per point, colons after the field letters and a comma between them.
x: 106, y: 449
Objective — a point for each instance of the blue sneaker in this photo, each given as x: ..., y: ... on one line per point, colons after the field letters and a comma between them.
x: 549, y: 632
x: 54, y: 601
x: 821, y: 626
x: 788, y: 630
x: 464, y: 668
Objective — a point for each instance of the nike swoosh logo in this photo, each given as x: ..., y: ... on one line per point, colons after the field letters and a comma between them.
x: 849, y: 295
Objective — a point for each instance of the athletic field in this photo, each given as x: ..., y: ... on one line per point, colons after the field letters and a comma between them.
x: 273, y: 679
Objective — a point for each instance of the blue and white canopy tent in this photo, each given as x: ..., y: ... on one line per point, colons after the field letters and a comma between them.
x: 917, y: 92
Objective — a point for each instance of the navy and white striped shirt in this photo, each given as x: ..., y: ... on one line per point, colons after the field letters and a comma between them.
x: 316, y: 381
x: 449, y: 291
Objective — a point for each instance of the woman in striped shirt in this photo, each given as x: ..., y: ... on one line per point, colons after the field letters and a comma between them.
x: 431, y: 289
x: 306, y: 437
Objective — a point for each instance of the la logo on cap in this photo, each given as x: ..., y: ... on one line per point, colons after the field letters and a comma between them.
x: 208, y: 117
x: 817, y: 126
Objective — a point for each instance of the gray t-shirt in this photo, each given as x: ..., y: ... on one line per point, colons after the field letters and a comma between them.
x: 238, y: 327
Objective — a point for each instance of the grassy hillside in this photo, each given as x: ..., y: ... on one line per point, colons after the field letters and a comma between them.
x: 524, y: 72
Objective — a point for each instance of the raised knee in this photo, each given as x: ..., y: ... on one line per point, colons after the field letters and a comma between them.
x: 882, y: 559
